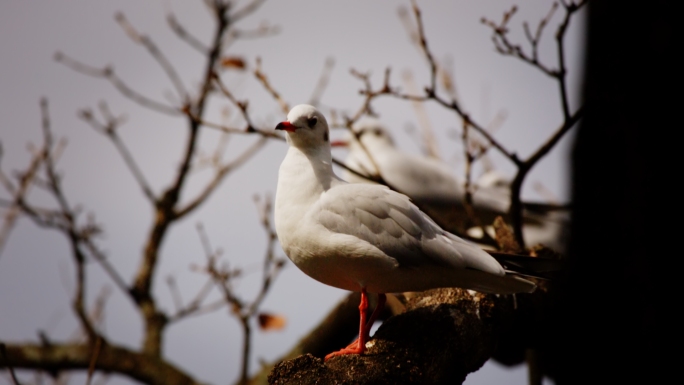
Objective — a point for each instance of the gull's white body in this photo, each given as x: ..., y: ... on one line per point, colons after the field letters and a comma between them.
x: 430, y: 181
x: 364, y: 236
x: 422, y: 178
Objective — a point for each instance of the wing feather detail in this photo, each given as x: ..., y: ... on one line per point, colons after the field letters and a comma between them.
x: 391, y: 222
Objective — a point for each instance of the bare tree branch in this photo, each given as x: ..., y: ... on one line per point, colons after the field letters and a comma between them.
x: 110, y: 129
x: 111, y: 358
x: 428, y: 136
x: 156, y: 54
x: 322, y: 82
x: 73, y: 233
x: 219, y: 175
x: 184, y: 35
x: 109, y: 74
x: 234, y: 130
x: 261, y: 76
x: 272, y: 265
x: 19, y: 192
x: 166, y: 213
x: 570, y: 9
x: 500, y: 40
x: 101, y: 258
x: 534, y: 40
x: 504, y: 46
x: 431, y: 90
x: 197, y: 310
x: 93, y: 360
x: 223, y: 278
x: 175, y: 293
x: 246, y: 10
x: 263, y: 30
x: 242, y: 105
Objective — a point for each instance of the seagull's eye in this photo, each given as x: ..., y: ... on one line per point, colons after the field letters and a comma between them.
x: 312, y: 121
x: 377, y: 132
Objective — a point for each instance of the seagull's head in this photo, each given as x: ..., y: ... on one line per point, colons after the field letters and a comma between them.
x: 306, y: 128
x: 372, y: 134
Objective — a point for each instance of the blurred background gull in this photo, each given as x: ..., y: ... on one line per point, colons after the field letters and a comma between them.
x: 433, y: 185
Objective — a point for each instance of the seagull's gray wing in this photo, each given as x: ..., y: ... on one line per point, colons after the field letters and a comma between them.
x: 419, y: 177
x: 389, y: 221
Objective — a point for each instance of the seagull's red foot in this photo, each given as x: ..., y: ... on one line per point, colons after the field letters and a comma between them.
x: 353, y: 348
x: 359, y: 345
x: 353, y: 344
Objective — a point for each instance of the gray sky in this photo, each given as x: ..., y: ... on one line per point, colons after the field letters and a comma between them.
x: 36, y: 274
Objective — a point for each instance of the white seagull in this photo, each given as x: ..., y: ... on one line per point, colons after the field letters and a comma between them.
x: 366, y: 237
x: 431, y: 182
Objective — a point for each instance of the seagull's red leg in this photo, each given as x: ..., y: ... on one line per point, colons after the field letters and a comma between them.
x: 359, y: 345
x: 382, y: 298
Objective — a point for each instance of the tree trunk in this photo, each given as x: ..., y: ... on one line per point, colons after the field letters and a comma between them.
x: 610, y: 322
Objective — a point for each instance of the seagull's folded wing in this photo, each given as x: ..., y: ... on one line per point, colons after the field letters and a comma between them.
x: 389, y: 221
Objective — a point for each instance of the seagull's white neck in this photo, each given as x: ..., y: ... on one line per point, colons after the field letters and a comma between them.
x: 304, y: 175
x: 310, y: 166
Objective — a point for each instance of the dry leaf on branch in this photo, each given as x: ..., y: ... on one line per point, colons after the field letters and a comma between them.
x: 233, y: 62
x: 269, y: 322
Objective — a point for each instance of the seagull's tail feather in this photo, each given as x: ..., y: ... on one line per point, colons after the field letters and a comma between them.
x: 537, y: 267
x: 542, y: 208
x: 507, y: 284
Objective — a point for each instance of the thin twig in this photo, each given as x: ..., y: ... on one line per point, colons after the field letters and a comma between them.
x: 505, y: 47
x: 110, y: 129
x: 424, y: 121
x: 219, y: 175
x: 366, y: 107
x: 242, y: 105
x: 322, y: 82
x: 263, y: 30
x: 106, y: 266
x: 261, y: 76
x: 156, y: 53
x: 184, y: 35
x: 19, y: 192
x: 431, y: 90
x: 534, y: 40
x: 96, y: 353
x: 175, y: 293
x: 72, y: 233
x: 244, y: 311
x: 202, y: 293
x: 194, y: 310
x: 246, y: 10
x: 423, y: 44
x: 109, y: 74
x: 570, y: 9
x: 467, y: 188
x: 196, y: 306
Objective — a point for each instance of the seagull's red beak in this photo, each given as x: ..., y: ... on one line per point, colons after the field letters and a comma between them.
x: 287, y: 126
x: 339, y: 143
